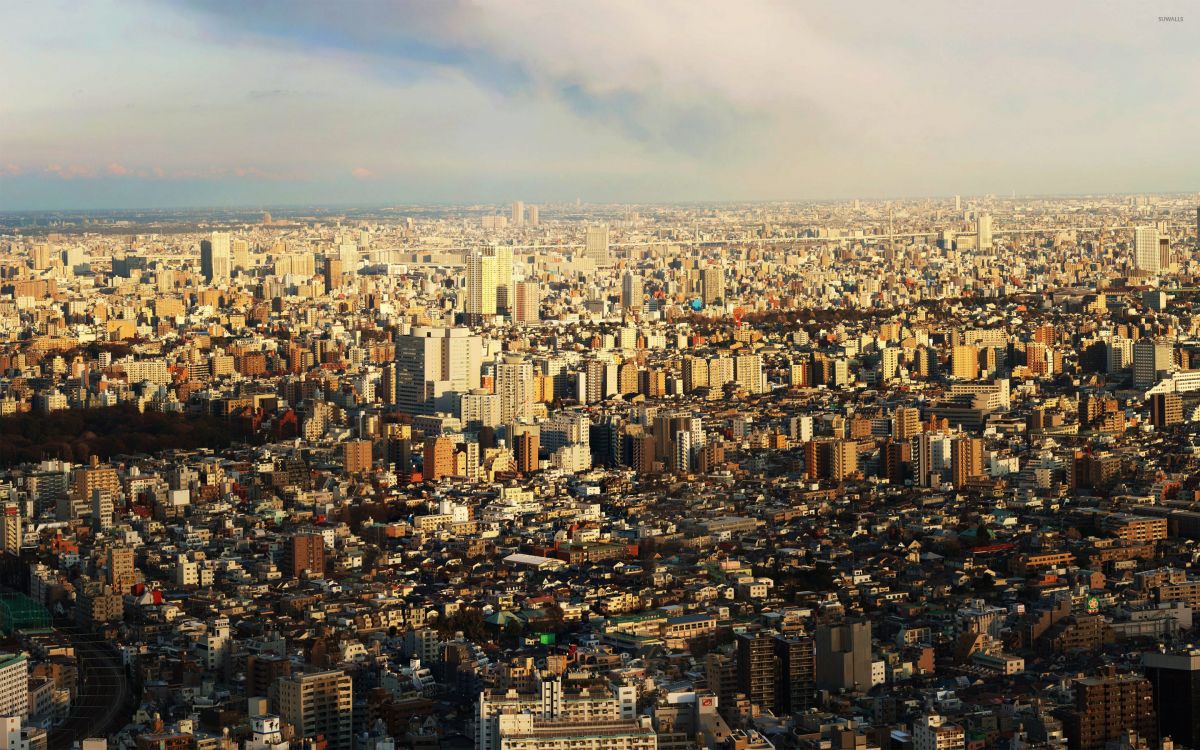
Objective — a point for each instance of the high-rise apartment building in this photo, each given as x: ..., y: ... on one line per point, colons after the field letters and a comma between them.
x: 756, y: 668
x: 356, y: 456
x: 966, y: 460
x: 518, y: 213
x: 319, y: 704
x: 712, y: 285
x: 1107, y: 706
x: 964, y: 362
x: 438, y: 458
x: 525, y: 450
x: 795, y: 688
x: 515, y: 387
x: 481, y: 286
x: 12, y: 528
x: 332, y: 273
x: 305, y: 554
x: 527, y: 305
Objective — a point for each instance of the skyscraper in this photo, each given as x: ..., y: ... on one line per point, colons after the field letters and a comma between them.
x: 631, y: 291
x: 1146, y: 253
x: 596, y: 243
x: 514, y: 386
x: 984, y: 226
x: 504, y: 278
x: 712, y: 285
x: 481, y: 286
x: 215, y: 258
x: 532, y: 212
x: 527, y: 306
x: 518, y: 213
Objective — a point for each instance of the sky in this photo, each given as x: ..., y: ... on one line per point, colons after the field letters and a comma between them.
x: 169, y: 103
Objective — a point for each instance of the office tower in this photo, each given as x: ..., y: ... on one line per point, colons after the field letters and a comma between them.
x: 984, y: 226
x: 532, y: 214
x: 1151, y: 359
x: 305, y: 554
x: 796, y: 685
x: 964, y: 362
x: 843, y: 656
x: 1175, y: 684
x: 596, y: 243
x: 527, y: 307
x: 11, y: 528
x: 525, y: 449
x: 1166, y: 409
x: 215, y: 258
x: 1146, y: 253
x: 356, y: 456
x: 1107, y: 706
x: 514, y: 386
x: 434, y: 366
x: 333, y: 273
x: 438, y: 458
x: 712, y: 285
x: 481, y: 287
x: 319, y: 703
x: 756, y: 668
x: 518, y: 213
x: 933, y: 732
x: 966, y: 459
x: 14, y: 685
x: 631, y: 292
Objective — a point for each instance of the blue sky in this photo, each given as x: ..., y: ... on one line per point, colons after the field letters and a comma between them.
x: 146, y: 104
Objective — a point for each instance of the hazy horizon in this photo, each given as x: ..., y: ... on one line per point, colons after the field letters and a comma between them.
x: 138, y: 105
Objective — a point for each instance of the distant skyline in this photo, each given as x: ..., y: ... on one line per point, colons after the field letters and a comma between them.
x: 165, y: 104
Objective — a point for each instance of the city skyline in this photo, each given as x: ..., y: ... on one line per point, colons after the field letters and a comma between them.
x: 187, y: 104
